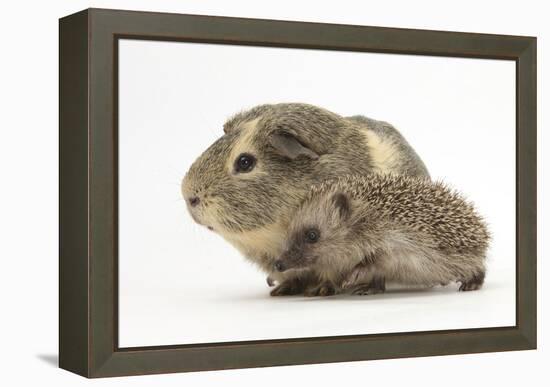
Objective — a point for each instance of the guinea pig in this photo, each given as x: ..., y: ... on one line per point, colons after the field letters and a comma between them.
x: 357, y: 232
x: 250, y: 181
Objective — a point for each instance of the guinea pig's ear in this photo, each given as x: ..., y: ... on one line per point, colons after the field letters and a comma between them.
x: 342, y: 205
x: 288, y: 146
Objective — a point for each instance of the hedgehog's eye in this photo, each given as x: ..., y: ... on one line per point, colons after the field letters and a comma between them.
x: 312, y: 235
x: 245, y: 163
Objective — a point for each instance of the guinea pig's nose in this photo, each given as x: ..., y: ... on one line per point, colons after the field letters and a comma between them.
x: 279, y: 265
x: 194, y: 201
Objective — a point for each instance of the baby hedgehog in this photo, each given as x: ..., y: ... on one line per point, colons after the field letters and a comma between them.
x: 357, y: 232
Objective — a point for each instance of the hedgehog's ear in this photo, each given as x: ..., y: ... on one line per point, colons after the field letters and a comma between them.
x: 342, y: 205
x: 227, y: 128
x: 289, y: 146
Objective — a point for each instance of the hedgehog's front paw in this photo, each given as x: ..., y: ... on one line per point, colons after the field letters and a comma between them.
x: 361, y: 274
x: 376, y: 286
x: 289, y: 287
x: 322, y: 290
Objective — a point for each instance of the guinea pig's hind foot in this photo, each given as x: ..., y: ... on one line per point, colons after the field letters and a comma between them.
x: 376, y: 286
x: 474, y: 283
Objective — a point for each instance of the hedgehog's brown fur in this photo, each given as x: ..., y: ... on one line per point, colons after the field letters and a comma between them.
x: 387, y: 227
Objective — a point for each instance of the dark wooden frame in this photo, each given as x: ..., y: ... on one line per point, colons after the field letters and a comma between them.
x: 88, y: 328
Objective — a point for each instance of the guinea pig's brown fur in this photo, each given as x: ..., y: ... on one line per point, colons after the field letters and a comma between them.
x: 359, y: 231
x: 250, y: 181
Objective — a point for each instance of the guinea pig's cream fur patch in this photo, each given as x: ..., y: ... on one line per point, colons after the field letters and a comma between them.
x: 245, y: 144
x: 384, y: 154
x: 256, y: 244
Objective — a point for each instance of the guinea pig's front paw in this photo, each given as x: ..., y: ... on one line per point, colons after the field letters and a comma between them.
x: 288, y: 287
x: 322, y: 290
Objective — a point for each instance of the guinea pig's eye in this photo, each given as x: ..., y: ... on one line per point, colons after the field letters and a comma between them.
x: 245, y: 163
x: 312, y: 236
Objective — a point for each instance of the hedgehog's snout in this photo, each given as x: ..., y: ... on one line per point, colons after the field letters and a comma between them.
x: 289, y: 260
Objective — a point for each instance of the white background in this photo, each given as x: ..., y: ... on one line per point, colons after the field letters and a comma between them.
x: 180, y: 283
x: 28, y: 162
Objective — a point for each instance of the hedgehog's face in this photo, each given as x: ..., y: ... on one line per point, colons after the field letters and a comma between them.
x: 317, y: 234
x: 302, y: 250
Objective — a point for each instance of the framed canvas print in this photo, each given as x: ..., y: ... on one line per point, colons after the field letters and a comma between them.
x: 245, y: 193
